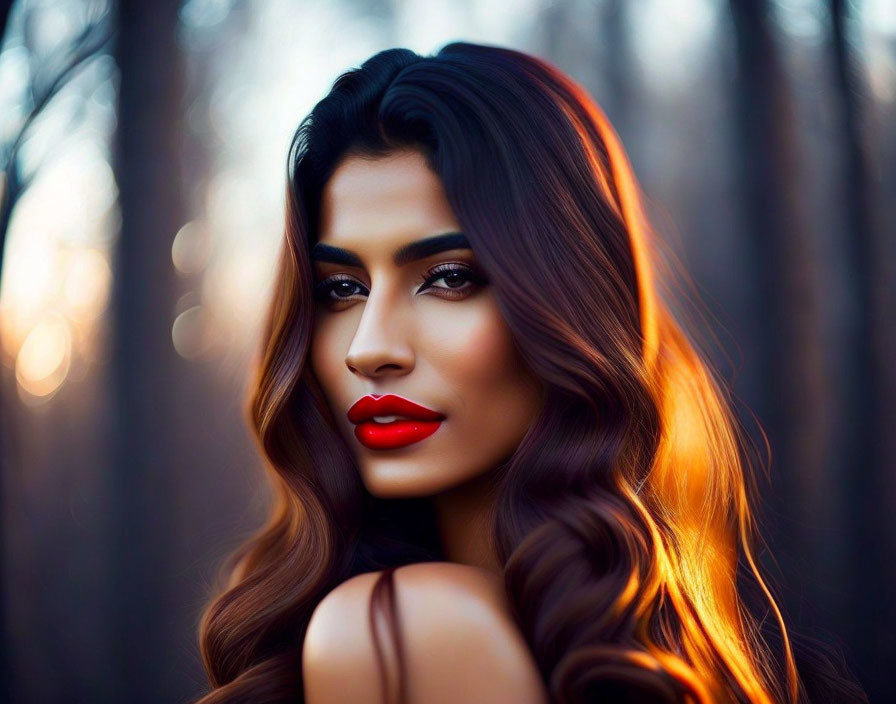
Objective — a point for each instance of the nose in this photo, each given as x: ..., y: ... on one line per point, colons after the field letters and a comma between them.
x: 380, y: 346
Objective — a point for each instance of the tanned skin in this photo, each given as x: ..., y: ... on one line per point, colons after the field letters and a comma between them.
x: 460, y: 642
x: 446, y: 346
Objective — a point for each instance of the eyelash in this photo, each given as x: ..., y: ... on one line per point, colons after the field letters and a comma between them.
x: 323, y: 290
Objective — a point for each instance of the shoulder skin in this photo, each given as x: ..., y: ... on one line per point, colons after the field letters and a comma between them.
x: 460, y: 641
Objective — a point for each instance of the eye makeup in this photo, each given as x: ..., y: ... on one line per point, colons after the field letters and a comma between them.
x: 330, y: 289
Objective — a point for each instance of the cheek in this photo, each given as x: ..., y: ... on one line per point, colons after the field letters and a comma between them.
x: 477, y: 357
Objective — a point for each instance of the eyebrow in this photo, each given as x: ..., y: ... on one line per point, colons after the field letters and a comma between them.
x: 407, y: 253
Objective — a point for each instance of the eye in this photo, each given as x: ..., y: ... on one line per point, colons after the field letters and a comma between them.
x: 460, y: 281
x: 335, y: 288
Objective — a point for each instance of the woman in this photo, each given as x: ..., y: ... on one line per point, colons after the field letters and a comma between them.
x: 559, y: 511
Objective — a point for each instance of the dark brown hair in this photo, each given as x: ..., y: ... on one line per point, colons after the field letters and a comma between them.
x: 623, y: 521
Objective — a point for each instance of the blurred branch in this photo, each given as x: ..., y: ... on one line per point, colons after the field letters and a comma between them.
x: 5, y: 9
x: 89, y: 43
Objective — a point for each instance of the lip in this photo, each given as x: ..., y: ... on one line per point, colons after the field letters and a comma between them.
x: 389, y: 405
x: 421, y: 422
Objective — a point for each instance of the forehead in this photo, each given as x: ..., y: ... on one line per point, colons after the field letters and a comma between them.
x: 384, y: 200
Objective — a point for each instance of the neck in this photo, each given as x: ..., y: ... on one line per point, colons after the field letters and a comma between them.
x: 463, y: 516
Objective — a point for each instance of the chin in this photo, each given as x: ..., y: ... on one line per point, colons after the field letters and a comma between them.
x: 399, y: 483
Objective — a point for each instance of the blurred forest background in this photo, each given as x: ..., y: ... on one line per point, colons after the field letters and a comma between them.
x: 143, y: 153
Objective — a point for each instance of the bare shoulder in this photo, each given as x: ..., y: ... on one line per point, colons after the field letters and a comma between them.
x: 460, y: 641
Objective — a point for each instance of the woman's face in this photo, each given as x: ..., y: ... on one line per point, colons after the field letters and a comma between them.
x: 426, y: 328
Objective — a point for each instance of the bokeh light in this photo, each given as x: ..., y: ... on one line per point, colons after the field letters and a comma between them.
x: 44, y: 358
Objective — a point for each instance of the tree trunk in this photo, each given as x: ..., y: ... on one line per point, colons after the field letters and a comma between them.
x: 864, y: 479
x: 805, y: 517
x: 152, y: 209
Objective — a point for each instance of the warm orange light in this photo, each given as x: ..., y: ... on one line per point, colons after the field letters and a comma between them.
x: 44, y: 358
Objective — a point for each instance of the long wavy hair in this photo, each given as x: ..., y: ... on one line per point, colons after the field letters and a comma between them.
x: 623, y: 518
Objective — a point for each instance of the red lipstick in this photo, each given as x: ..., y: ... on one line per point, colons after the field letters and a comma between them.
x: 416, y: 421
